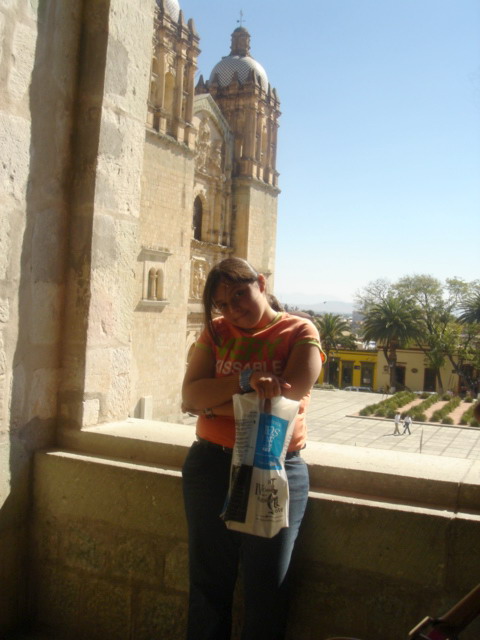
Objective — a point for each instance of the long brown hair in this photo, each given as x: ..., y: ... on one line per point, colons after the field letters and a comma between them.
x: 229, y: 271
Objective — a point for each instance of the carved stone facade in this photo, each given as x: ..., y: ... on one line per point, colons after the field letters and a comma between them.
x: 209, y: 190
x: 175, y: 51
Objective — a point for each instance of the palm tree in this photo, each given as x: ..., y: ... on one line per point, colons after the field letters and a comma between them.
x: 392, y: 323
x: 471, y: 310
x: 333, y: 328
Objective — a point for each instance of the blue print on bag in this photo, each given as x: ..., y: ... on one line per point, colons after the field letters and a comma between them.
x: 270, y: 441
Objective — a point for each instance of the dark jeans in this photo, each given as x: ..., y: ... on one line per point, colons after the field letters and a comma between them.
x: 215, y: 552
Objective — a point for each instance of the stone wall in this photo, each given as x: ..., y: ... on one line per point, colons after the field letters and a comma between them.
x: 110, y: 134
x: 74, y: 87
x: 255, y: 207
x: 160, y: 326
x: 38, y: 70
x: 263, y: 228
x: 387, y: 539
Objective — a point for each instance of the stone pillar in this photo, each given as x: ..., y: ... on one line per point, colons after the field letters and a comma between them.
x: 250, y: 134
x: 190, y: 133
x: 38, y: 72
x: 160, y: 119
x: 228, y: 217
x: 190, y: 92
x: 177, y: 113
x: 218, y: 226
x: 268, y: 154
x: 109, y: 142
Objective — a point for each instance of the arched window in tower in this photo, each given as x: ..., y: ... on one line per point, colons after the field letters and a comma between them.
x: 197, y: 218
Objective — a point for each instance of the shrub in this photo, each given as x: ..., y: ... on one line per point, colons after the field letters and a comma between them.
x: 428, y: 402
x: 474, y: 423
x: 467, y: 416
x: 446, y: 409
x: 447, y: 420
x: 389, y: 404
x: 391, y: 413
x: 468, y: 399
x: 368, y: 410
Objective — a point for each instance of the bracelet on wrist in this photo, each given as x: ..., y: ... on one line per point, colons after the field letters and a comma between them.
x: 244, y: 381
x: 208, y: 413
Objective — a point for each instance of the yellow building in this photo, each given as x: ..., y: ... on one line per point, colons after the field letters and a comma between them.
x: 414, y: 372
x: 369, y: 368
x: 347, y: 368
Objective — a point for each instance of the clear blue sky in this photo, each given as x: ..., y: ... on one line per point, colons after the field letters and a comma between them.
x: 379, y: 140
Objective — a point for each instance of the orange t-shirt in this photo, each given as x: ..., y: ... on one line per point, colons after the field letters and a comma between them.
x: 267, y: 349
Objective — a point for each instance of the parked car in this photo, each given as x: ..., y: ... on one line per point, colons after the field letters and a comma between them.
x: 368, y: 389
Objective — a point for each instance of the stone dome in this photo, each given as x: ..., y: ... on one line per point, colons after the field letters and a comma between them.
x: 242, y: 65
x: 240, y: 62
x: 171, y: 7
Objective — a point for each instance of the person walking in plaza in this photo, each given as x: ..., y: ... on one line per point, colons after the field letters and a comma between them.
x: 406, y: 424
x: 397, y: 420
x: 248, y: 346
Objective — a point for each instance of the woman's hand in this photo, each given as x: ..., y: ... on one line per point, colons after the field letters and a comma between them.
x: 268, y: 385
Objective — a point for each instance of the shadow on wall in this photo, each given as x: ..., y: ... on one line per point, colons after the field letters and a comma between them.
x: 41, y: 363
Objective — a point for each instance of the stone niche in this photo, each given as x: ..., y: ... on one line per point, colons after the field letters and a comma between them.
x: 155, y: 281
x: 198, y: 275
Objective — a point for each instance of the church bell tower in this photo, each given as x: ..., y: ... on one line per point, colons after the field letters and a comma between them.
x: 240, y: 87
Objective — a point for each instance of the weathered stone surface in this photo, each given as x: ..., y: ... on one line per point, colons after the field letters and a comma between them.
x: 137, y: 557
x: 15, y: 141
x: 91, y: 412
x: 23, y: 56
x: 12, y: 575
x: 45, y: 317
x: 42, y: 394
x: 48, y: 243
x: 176, y: 568
x: 159, y: 615
x: 128, y: 495
x: 5, y: 245
x: 119, y: 522
x: 463, y: 558
x: 90, y: 608
x: 344, y: 537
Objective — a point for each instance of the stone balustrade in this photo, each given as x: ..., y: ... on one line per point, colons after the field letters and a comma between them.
x: 387, y: 539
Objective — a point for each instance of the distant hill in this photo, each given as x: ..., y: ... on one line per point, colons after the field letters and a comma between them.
x: 304, y: 302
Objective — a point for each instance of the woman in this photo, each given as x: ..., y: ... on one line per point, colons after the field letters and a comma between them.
x: 249, y: 347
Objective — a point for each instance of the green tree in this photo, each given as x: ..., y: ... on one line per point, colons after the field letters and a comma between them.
x: 445, y: 334
x: 392, y: 323
x: 436, y: 304
x: 334, y: 334
x: 468, y: 347
x: 443, y: 337
x: 470, y: 308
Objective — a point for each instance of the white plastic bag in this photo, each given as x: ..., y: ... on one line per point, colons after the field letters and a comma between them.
x: 257, y: 500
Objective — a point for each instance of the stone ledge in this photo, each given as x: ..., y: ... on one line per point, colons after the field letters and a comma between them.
x: 341, y: 470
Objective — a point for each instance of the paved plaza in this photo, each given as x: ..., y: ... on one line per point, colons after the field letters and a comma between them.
x: 331, y: 418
